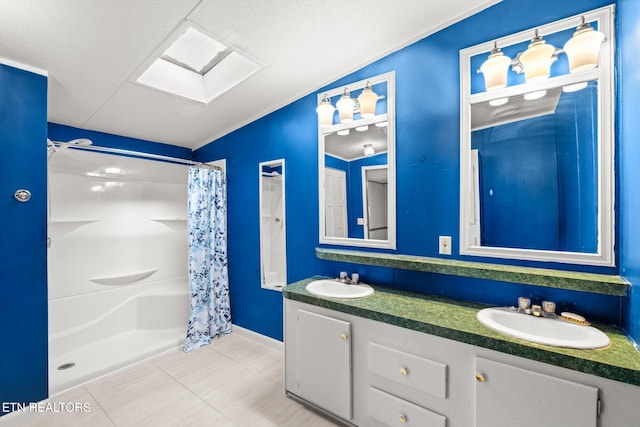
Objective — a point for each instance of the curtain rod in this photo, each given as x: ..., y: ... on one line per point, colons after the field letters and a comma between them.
x: 137, y: 154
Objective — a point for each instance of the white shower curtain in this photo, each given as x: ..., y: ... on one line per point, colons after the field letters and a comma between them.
x: 208, y: 280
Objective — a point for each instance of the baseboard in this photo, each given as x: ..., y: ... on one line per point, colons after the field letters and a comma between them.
x: 263, y: 339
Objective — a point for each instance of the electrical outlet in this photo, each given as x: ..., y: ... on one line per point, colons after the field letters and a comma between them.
x: 445, y: 245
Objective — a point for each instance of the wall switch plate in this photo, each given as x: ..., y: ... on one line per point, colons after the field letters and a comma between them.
x: 445, y: 245
x: 360, y: 221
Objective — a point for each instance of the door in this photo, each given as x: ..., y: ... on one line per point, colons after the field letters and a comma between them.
x: 23, y: 253
x: 335, y: 202
x: 376, y: 202
x: 508, y: 396
x: 324, y: 362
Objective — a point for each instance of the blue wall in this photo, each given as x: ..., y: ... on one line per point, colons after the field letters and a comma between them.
x: 23, y: 249
x: 57, y: 132
x: 427, y: 123
x: 628, y: 157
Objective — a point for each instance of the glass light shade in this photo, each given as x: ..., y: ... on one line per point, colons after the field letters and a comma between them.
x: 343, y: 132
x: 345, y: 107
x: 583, y: 49
x: 574, y: 87
x: 537, y: 60
x: 498, y: 102
x: 535, y: 95
x: 367, y: 100
x: 495, y: 70
x: 325, y: 112
x: 368, y: 150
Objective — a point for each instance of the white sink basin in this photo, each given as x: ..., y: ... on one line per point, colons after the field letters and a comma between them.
x: 335, y: 289
x: 555, y: 332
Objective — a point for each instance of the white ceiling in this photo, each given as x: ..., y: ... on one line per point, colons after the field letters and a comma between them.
x: 93, y: 50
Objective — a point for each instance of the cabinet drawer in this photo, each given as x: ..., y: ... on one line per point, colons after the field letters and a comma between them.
x: 393, y: 411
x: 409, y: 370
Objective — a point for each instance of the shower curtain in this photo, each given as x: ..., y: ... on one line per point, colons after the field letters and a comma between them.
x: 208, y: 281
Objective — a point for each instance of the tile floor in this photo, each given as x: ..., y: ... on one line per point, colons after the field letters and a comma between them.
x: 234, y: 381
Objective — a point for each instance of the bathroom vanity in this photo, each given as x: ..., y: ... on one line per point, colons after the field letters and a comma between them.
x: 402, y: 359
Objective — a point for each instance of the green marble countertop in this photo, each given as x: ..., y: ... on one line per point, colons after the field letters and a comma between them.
x: 456, y: 320
x: 562, y: 279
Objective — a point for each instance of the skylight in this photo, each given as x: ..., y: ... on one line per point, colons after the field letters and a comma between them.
x: 197, y: 67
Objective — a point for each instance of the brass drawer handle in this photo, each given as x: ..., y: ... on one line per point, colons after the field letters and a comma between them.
x: 343, y: 337
x: 404, y: 372
x: 403, y: 418
x: 480, y: 377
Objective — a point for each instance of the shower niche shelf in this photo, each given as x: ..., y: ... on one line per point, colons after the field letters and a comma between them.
x: 59, y: 227
x: 124, y: 279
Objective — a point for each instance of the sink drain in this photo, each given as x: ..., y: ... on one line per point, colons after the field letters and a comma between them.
x: 66, y: 366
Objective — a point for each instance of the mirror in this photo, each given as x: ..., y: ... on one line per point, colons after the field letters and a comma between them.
x: 537, y: 157
x: 357, y: 170
x: 273, y: 240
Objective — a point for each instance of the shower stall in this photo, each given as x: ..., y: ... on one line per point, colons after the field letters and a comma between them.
x: 117, y: 261
x: 273, y: 257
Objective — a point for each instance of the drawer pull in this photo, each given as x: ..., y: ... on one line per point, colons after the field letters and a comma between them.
x: 403, y: 418
x: 343, y: 337
x: 404, y: 372
x: 480, y: 377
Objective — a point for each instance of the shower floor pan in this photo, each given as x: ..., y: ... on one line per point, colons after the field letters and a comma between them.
x: 105, y: 356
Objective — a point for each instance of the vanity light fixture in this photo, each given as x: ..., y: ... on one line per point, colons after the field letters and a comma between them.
x: 367, y: 101
x: 368, y: 150
x: 382, y: 124
x: 495, y: 69
x: 325, y: 112
x: 583, y: 48
x: 343, y: 132
x: 537, y: 59
x: 498, y: 102
x: 362, y: 128
x: 345, y: 107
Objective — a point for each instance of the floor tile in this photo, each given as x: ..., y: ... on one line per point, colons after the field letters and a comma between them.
x: 234, y: 381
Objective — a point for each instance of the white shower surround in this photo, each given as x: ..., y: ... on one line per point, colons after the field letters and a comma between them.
x: 117, y: 269
x: 273, y: 227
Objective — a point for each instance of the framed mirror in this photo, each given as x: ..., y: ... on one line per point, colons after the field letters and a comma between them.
x: 357, y: 171
x: 536, y: 152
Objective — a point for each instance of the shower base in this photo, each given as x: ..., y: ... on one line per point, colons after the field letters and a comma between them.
x: 105, y: 356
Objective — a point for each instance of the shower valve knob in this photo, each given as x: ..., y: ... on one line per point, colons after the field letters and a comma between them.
x: 22, y: 195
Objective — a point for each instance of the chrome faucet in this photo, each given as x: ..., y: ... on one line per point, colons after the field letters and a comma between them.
x: 549, y: 309
x: 355, y: 278
x: 524, y: 305
x: 546, y: 309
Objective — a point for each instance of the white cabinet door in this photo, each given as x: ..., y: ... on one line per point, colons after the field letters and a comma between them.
x: 508, y: 396
x: 324, y: 362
